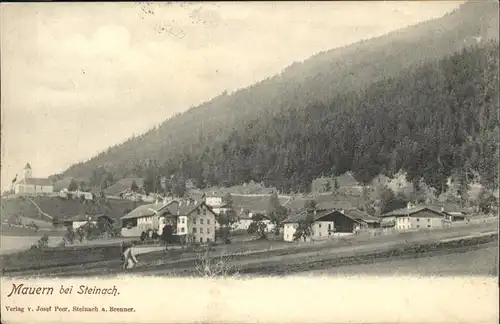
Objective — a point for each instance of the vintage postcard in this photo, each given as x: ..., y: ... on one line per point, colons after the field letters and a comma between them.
x: 249, y: 162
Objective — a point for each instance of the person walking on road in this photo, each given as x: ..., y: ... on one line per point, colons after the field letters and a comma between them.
x: 129, y: 259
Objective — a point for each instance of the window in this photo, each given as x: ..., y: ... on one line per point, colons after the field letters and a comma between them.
x: 208, y: 230
x: 201, y: 230
x: 201, y: 239
x: 428, y: 225
x: 198, y: 211
x: 428, y: 220
x: 194, y: 220
x: 183, y: 221
x: 319, y: 225
x: 208, y: 221
x: 201, y: 220
x: 418, y: 219
x: 418, y: 226
x: 208, y: 240
x: 194, y: 229
x: 329, y: 227
x: 182, y: 229
x: 319, y: 233
x: 204, y: 211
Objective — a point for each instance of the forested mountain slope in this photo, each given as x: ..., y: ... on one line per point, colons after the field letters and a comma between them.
x: 431, y: 121
x: 319, y: 114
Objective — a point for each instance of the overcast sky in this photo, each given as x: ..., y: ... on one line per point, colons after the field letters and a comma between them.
x: 79, y: 77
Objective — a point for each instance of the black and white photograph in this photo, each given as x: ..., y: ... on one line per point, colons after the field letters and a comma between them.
x: 247, y: 140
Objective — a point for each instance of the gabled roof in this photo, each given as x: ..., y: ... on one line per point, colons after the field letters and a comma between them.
x: 184, y: 208
x: 215, y: 196
x: 220, y: 206
x: 448, y: 208
x: 37, y: 181
x: 355, y: 215
x: 27, y: 166
x: 409, y: 211
x: 83, y: 218
x: 174, y: 207
x: 147, y: 210
x: 302, y: 215
x: 361, y: 215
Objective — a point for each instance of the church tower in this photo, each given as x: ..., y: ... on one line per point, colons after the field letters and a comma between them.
x: 27, y: 172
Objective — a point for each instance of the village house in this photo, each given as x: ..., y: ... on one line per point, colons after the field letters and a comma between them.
x: 452, y: 213
x: 246, y: 217
x: 26, y: 183
x: 330, y: 223
x: 217, y: 203
x: 80, y: 220
x: 244, y: 220
x: 414, y: 217
x: 214, y: 200
x: 193, y: 221
x: 455, y: 216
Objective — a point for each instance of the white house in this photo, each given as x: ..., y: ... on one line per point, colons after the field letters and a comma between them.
x: 80, y: 220
x: 214, y: 201
x: 246, y: 218
x: 27, y: 184
x: 195, y: 221
x: 329, y: 223
x: 217, y: 204
x: 415, y: 217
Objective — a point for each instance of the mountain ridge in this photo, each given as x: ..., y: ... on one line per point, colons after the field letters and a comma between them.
x: 315, y: 81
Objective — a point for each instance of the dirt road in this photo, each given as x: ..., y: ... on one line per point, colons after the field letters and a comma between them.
x: 292, y: 259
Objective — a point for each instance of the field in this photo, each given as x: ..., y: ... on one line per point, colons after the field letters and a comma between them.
x: 11, y: 243
x: 281, y: 258
x: 59, y: 208
x: 480, y: 260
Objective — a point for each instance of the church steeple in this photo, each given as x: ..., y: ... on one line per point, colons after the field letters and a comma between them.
x: 27, y: 171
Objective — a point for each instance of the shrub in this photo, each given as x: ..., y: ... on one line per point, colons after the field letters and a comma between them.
x: 258, y: 227
x: 206, y: 266
x: 70, y: 235
x: 42, y: 243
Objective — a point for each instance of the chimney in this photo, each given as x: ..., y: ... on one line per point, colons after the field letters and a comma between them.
x: 314, y: 212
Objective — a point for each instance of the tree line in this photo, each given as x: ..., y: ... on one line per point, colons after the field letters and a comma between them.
x: 435, y: 120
